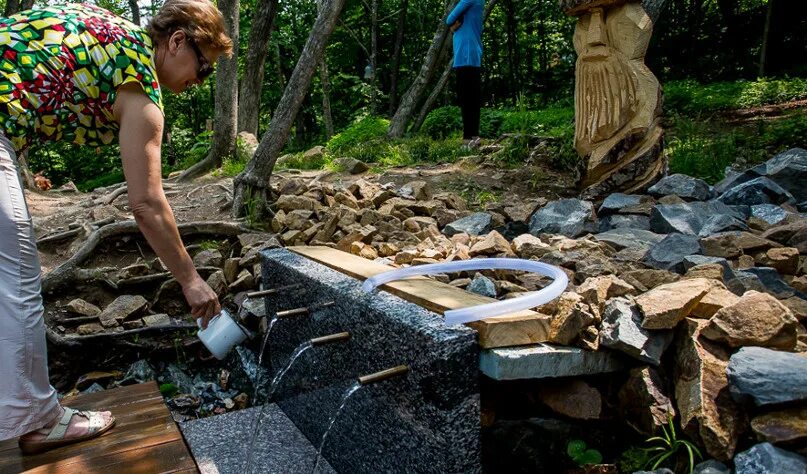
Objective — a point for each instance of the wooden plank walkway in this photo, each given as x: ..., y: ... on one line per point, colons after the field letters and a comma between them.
x: 145, y: 439
x: 517, y: 329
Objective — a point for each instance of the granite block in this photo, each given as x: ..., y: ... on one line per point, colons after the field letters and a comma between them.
x: 426, y: 421
x: 548, y: 361
x: 219, y: 444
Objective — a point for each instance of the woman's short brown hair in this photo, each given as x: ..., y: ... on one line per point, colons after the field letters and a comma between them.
x: 199, y: 19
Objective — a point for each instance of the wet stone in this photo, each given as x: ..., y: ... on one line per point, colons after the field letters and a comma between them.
x: 711, y: 467
x: 218, y: 443
x: 687, y: 187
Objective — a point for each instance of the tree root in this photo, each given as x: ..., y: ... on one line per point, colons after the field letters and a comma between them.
x: 77, y: 341
x: 66, y: 273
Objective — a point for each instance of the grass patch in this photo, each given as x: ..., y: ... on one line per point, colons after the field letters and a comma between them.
x: 367, y: 129
x: 690, y: 97
x: 704, y: 148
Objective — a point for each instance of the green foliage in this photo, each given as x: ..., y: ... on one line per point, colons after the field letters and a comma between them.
x: 442, y: 122
x: 576, y: 449
x: 369, y: 128
x: 251, y: 202
x: 168, y: 389
x: 300, y: 162
x: 210, y: 245
x: 197, y: 146
x: 668, y: 447
x: 705, y: 147
x: 633, y: 459
x: 691, y: 97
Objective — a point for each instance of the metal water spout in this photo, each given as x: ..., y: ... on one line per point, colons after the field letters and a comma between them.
x: 384, y: 374
x: 340, y: 336
x: 304, y: 311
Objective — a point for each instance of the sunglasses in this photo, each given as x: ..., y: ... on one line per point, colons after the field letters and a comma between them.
x: 205, y: 68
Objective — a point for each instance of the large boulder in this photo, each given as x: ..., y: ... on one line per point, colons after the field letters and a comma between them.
x: 756, y: 319
x: 757, y: 191
x: 687, y: 217
x: 788, y: 169
x: 767, y: 376
x: 705, y: 406
x: 570, y: 217
x: 687, y: 187
x: 765, y: 458
x: 622, y: 330
x: 669, y: 253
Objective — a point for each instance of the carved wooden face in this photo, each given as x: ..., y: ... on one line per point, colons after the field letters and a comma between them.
x: 610, y: 46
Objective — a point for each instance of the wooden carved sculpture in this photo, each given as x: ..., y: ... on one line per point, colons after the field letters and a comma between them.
x: 617, y: 99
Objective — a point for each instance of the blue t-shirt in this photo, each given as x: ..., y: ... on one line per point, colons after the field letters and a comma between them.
x: 468, y: 38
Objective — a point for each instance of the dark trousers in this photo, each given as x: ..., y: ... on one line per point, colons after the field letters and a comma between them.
x: 469, y: 91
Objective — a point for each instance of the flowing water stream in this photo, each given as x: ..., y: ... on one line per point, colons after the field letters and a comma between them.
x: 275, y: 383
x: 350, y: 391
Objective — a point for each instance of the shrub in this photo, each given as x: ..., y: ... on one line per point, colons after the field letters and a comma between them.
x: 367, y: 129
x: 442, y: 122
x: 691, y: 97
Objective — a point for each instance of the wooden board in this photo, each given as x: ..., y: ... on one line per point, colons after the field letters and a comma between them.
x: 516, y: 329
x: 144, y: 439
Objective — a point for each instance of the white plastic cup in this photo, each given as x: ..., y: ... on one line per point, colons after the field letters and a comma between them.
x: 221, y: 335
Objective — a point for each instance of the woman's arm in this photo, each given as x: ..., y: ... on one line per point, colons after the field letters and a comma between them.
x: 141, y: 124
x: 458, y: 11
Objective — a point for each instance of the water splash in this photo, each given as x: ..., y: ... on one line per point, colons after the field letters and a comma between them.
x: 266, y: 339
x: 256, y: 427
x: 350, y: 391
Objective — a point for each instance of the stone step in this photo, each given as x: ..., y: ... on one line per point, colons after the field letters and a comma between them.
x: 548, y: 361
x: 219, y: 443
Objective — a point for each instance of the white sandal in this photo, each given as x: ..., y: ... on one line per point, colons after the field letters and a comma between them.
x: 55, y: 434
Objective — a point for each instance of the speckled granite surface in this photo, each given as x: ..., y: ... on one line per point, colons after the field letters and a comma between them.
x: 219, y: 444
x: 427, y: 421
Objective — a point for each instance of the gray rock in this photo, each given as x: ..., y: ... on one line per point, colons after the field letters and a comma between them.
x: 83, y: 308
x: 570, y: 217
x: 694, y: 260
x: 352, y: 165
x: 94, y: 388
x: 617, y: 201
x: 622, y: 330
x: 767, y: 376
x: 744, y: 281
x: 802, y: 207
x: 711, y: 467
x: 663, y: 470
x: 477, y: 223
x: 787, y: 169
x: 627, y: 238
x: 631, y: 221
x: 138, y: 372
x: 721, y: 223
x: 208, y: 258
x: 669, y: 254
x: 757, y: 191
x: 765, y: 458
x: 687, y: 218
x: 773, y: 283
x: 770, y: 213
x: 121, y: 308
x: 686, y: 187
x: 482, y: 285
x: 175, y: 375
x: 541, y: 361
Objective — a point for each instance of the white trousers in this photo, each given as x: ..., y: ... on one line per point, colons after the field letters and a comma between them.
x: 27, y: 401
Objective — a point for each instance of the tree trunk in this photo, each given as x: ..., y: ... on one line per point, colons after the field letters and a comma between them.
x: 763, y: 53
x: 249, y: 100
x: 396, y: 57
x: 427, y: 105
x: 25, y: 171
x: 410, y: 99
x: 325, y: 83
x: 258, y: 171
x: 374, y: 56
x: 135, y: 12
x: 226, y: 105
x: 12, y: 7
x: 512, y: 51
x: 653, y: 8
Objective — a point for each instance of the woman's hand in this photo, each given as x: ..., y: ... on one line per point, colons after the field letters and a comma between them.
x: 202, y: 299
x: 456, y: 25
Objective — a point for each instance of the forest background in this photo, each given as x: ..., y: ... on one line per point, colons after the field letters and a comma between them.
x: 714, y: 58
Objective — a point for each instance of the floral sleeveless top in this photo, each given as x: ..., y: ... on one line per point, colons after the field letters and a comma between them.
x: 60, y: 69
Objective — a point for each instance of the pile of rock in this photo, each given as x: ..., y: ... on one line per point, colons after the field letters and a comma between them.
x: 704, y: 286
x: 152, y: 298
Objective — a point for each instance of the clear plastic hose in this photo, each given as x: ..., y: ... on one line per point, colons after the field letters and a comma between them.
x: 475, y: 313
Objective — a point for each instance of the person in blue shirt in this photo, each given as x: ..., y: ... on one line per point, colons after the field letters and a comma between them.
x: 466, y: 23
